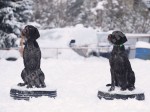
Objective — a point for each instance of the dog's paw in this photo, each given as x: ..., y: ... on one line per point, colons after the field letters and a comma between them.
x: 112, y: 88
x: 29, y: 86
x: 37, y: 86
x: 21, y: 84
x: 131, y: 88
x: 123, y: 89
x: 43, y: 86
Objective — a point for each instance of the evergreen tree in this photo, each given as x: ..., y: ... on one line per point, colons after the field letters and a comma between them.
x: 13, y: 15
x: 131, y: 16
x: 120, y: 16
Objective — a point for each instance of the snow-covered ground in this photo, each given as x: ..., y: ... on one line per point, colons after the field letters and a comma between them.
x: 142, y: 44
x: 77, y: 81
x: 60, y: 37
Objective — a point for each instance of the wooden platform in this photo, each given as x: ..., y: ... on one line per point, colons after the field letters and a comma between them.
x: 22, y: 93
x: 124, y: 95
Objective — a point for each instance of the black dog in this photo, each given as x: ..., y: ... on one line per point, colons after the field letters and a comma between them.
x: 31, y: 74
x: 122, y: 74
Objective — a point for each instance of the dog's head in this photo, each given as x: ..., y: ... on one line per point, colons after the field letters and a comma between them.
x: 117, y: 38
x: 30, y: 32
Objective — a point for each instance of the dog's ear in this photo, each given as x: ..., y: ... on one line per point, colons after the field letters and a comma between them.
x: 36, y: 33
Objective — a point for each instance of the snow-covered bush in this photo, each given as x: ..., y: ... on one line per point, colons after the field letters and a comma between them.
x: 129, y: 16
x: 13, y: 15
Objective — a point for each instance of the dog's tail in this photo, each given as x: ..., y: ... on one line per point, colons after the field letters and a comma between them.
x: 108, y: 84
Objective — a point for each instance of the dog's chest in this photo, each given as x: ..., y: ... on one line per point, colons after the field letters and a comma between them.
x: 31, y: 51
x: 117, y: 56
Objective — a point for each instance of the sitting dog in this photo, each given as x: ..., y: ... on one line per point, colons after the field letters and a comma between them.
x: 122, y: 74
x: 31, y: 74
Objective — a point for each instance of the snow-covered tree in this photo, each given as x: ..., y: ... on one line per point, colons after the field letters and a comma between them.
x: 13, y: 15
x: 119, y: 15
x: 50, y: 13
x: 130, y: 16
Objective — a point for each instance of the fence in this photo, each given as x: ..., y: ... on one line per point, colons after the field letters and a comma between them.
x: 83, y: 51
x: 57, y: 53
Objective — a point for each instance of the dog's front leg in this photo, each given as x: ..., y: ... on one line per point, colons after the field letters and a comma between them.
x: 112, y: 88
x: 23, y: 76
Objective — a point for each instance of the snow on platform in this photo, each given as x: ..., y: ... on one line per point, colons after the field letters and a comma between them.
x: 137, y: 94
x: 23, y: 88
x: 23, y: 93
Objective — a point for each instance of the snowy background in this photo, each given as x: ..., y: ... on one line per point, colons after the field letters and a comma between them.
x: 77, y: 82
x: 104, y: 15
x: 76, y: 78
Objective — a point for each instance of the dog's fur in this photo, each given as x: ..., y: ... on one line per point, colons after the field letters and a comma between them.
x: 31, y: 74
x: 122, y: 74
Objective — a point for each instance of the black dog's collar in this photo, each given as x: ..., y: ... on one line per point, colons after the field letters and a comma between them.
x: 119, y: 45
